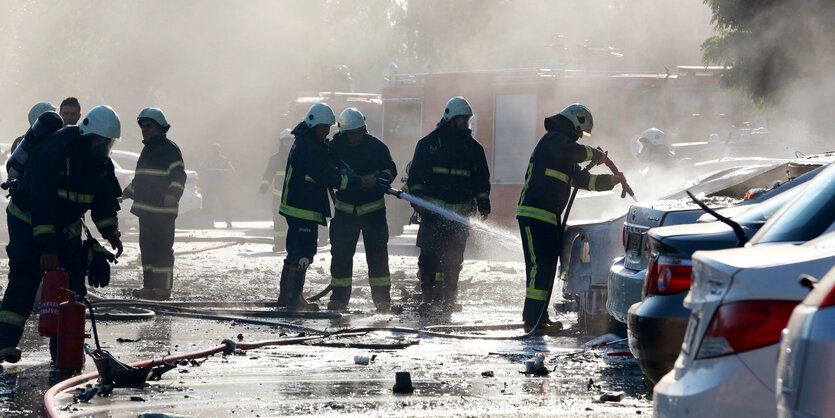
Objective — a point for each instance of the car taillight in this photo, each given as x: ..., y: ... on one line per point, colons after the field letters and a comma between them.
x: 623, y: 237
x: 743, y: 326
x: 667, y: 276
x: 829, y: 300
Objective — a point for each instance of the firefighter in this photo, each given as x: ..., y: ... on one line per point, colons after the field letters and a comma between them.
x: 69, y: 173
x: 360, y: 211
x: 552, y: 171
x: 70, y: 111
x: 449, y: 169
x: 274, y: 179
x: 34, y: 113
x: 304, y: 200
x: 217, y: 171
x: 156, y: 189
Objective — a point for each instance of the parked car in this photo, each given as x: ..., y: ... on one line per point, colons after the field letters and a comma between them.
x: 741, y: 299
x: 805, y: 365
x: 656, y: 324
x: 125, y: 162
x: 626, y: 275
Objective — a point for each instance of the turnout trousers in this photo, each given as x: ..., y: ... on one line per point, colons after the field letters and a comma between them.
x: 156, y: 248
x: 25, y: 274
x: 442, y: 243
x: 541, y: 245
x: 344, y: 232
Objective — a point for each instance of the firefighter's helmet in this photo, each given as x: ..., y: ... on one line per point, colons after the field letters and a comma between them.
x: 285, y: 135
x: 102, y: 121
x: 653, y: 136
x: 350, y: 119
x: 457, y: 106
x: 156, y: 115
x: 580, y: 116
x: 39, y: 109
x: 319, y: 114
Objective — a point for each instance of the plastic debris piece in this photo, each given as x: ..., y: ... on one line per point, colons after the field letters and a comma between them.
x: 488, y: 373
x: 403, y: 383
x: 612, y: 397
x: 363, y: 360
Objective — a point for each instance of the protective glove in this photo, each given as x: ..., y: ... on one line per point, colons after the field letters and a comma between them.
x: 383, y: 184
x: 483, y: 208
x: 98, y: 261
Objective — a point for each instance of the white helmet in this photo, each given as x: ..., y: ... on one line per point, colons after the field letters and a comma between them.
x: 285, y: 134
x: 102, y: 121
x: 39, y: 109
x: 350, y: 119
x: 155, y: 115
x: 580, y: 116
x: 319, y: 114
x: 653, y: 136
x: 457, y: 106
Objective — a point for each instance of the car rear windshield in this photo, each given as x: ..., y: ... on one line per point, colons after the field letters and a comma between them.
x: 806, y: 216
x: 761, y: 213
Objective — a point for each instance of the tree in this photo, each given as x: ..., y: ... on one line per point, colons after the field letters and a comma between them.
x: 779, y: 52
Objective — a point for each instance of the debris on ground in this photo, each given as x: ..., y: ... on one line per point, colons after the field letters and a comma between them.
x: 127, y: 340
x: 537, y: 365
x: 612, y: 397
x: 602, y: 340
x: 488, y: 373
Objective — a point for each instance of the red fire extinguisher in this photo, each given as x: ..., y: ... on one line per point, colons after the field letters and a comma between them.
x: 70, y: 335
x: 53, y: 292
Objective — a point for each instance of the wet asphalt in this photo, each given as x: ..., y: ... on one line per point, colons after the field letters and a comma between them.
x: 451, y: 377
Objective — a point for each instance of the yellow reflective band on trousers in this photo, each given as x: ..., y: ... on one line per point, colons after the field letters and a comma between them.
x: 43, y: 229
x: 537, y: 213
x: 340, y: 282
x: 307, y: 215
x: 439, y: 277
x: 379, y: 281
x: 154, y: 208
x: 531, y: 291
x: 75, y: 197
x: 371, y: 207
x: 559, y: 175
x: 15, y: 211
x: 9, y: 317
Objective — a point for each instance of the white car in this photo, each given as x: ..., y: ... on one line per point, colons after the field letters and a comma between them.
x: 125, y: 162
x: 806, y: 366
x: 741, y: 300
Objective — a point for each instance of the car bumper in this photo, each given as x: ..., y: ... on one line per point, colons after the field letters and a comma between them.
x: 656, y: 329
x: 718, y: 387
x: 624, y: 290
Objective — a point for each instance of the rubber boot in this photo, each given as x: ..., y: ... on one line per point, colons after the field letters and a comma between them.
x: 426, y: 305
x: 340, y: 296
x: 282, y: 287
x: 451, y: 292
x: 295, y: 285
x: 9, y: 355
x: 545, y: 328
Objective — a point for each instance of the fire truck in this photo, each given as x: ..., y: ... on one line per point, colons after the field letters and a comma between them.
x: 510, y: 105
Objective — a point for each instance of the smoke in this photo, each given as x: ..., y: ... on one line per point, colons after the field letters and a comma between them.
x: 224, y: 71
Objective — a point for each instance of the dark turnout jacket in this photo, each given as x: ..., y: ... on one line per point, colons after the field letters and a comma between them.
x: 159, y: 171
x: 370, y: 158
x: 309, y: 176
x: 554, y: 167
x: 61, y: 183
x: 449, y: 168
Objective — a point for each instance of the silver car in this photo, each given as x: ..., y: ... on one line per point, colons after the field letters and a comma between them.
x: 806, y: 366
